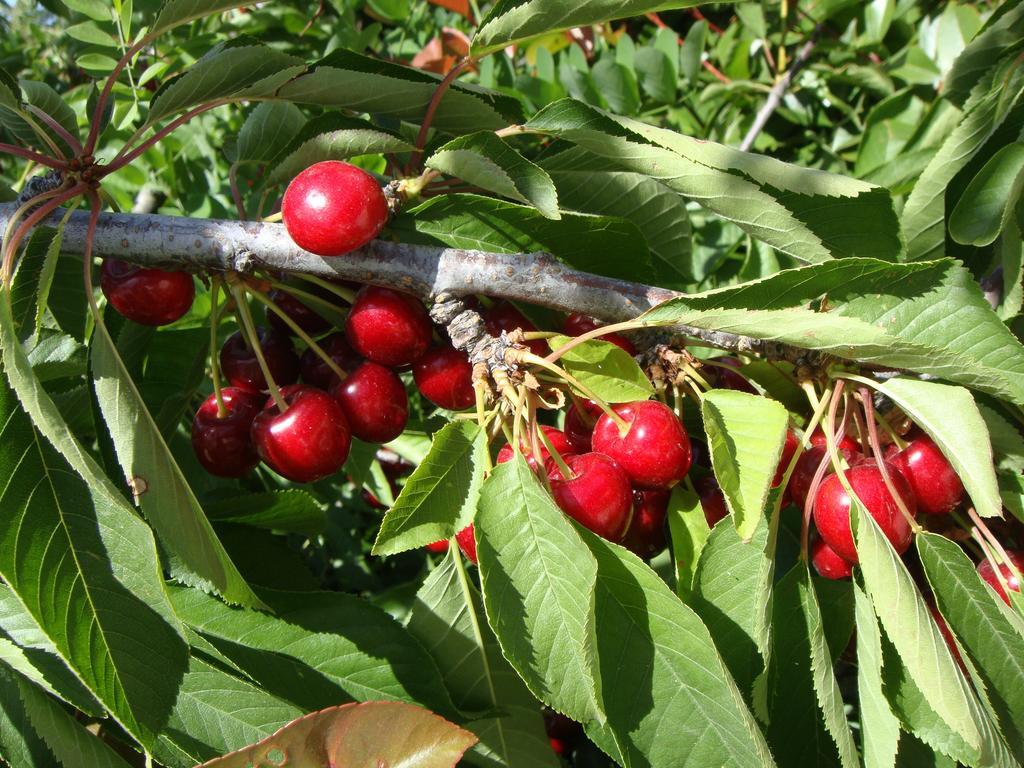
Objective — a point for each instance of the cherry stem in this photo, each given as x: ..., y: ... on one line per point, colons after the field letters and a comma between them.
x: 214, y: 362
x: 869, y: 410
x: 516, y: 417
x: 539, y: 335
x: 596, y: 333
x: 101, y: 102
x: 305, y: 296
x: 37, y: 129
x: 831, y: 401
x: 979, y: 524
x: 480, y: 394
x: 236, y: 194
x: 435, y: 101
x: 60, y: 130
x: 273, y: 218
x: 567, y: 473
x: 249, y: 330
x: 883, y: 422
x: 737, y: 371
x: 862, y: 432
x: 343, y: 293
x: 35, y: 157
x: 993, y: 559
x: 53, y: 201
x: 533, y: 359
x: 122, y: 159
x: 692, y: 374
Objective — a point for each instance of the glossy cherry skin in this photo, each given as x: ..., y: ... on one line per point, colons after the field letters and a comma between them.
x: 789, y: 449
x: 146, y: 296
x: 579, y: 424
x: 987, y: 572
x: 803, y: 473
x: 832, y: 508
x: 315, y: 370
x: 466, y: 539
x: 307, y: 319
x: 712, y: 500
x: 505, y: 317
x: 239, y: 365
x: 309, y: 441
x: 374, y: 401
x: 437, y: 547
x: 645, y: 536
x: 223, y: 445
x: 847, y: 443
x: 388, y: 327
x: 577, y: 324
x: 556, y: 437
x: 445, y: 377
x: 655, y: 450
x: 936, y: 484
x: 827, y: 563
x: 332, y: 208
x: 598, y: 496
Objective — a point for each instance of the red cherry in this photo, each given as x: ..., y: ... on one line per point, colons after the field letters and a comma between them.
x: 577, y: 324
x: 445, y: 377
x: 505, y: 317
x: 730, y: 379
x: 646, y: 533
x: 374, y: 401
x: 832, y: 508
x: 304, y: 317
x: 654, y: 451
x: 562, y: 732
x: 146, y: 296
x: 437, y: 547
x: 598, y: 495
x: 467, y: 542
x: 332, y: 208
x: 307, y: 442
x: 388, y: 327
x: 315, y: 370
x: 818, y: 439
x: 223, y: 445
x: 579, y: 424
x: 936, y: 484
x: 789, y: 448
x: 239, y: 365
x: 712, y: 500
x: 987, y: 572
x: 556, y: 437
x: 803, y: 473
x: 827, y: 563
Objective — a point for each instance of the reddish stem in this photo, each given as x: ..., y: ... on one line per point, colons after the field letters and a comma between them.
x: 70, y: 139
x: 30, y: 221
x: 435, y: 101
x: 656, y: 20
x: 236, y: 195
x: 35, y: 157
x: 122, y: 159
x: 101, y: 102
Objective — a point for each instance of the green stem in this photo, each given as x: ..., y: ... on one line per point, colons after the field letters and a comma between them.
x: 883, y: 467
x: 567, y: 473
x: 533, y: 359
x: 340, y: 291
x: 249, y: 330
x: 214, y: 362
x: 629, y: 325
x: 304, y: 296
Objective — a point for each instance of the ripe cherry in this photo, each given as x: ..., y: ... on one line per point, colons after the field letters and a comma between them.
x: 332, y: 208
x: 936, y: 484
x: 847, y: 443
x: 655, y: 449
x: 563, y: 733
x: 827, y: 563
x: 577, y: 324
x: 505, y: 317
x: 730, y: 379
x: 374, y: 401
x: 467, y: 542
x: 388, y: 327
x: 789, y: 448
x: 598, y: 495
x: 646, y: 533
x: 712, y: 500
x: 556, y: 437
x: 315, y: 370
x: 579, y: 424
x: 445, y: 377
x: 239, y: 365
x: 437, y: 547
x: 146, y: 296
x: 307, y: 442
x: 223, y: 445
x: 944, y: 630
x: 307, y: 319
x: 987, y: 572
x: 803, y: 473
x: 832, y: 508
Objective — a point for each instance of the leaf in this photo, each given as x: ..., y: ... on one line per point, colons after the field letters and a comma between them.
x: 1007, y: 442
x: 440, y: 496
x: 538, y: 585
x: 484, y: 160
x: 1000, y: 35
x: 94, y: 9
x: 617, y: 84
x: 293, y: 510
x: 176, y: 12
x: 951, y: 418
x: 272, y: 125
x: 375, y: 733
x: 745, y: 434
x: 20, y: 745
x: 809, y: 214
x: 232, y: 69
x: 880, y: 730
x: 45, y: 98
x: 984, y: 626
x: 89, y: 32
x: 666, y: 692
x: 606, y: 369
x: 689, y: 532
x: 30, y: 279
x: 448, y: 618
x: 10, y: 91
x: 986, y: 205
x: 928, y: 317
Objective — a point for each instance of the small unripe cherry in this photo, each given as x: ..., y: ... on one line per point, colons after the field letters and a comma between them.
x: 936, y: 484
x: 987, y: 572
x: 388, y: 327
x: 654, y: 449
x: 374, y: 401
x: 577, y: 324
x: 445, y: 377
x: 827, y: 563
x: 146, y: 296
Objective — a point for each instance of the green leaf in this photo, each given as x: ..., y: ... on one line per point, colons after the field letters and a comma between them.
x: 375, y: 733
x: 272, y: 125
x: 94, y: 9
x: 1007, y: 442
x: 10, y: 91
x: 658, y: 72
x: 538, y: 584
x: 20, y: 745
x: 294, y: 511
x: 484, y: 160
x: 45, y: 98
x: 986, y: 205
x: 30, y: 280
x: 333, y: 137
x: 1001, y: 34
x: 987, y: 629
x: 808, y: 214
x: 89, y: 32
x: 176, y: 12
x: 745, y: 434
x: 693, y: 50
x: 929, y: 317
x: 96, y: 63
x: 617, y: 84
x: 880, y: 731
x: 230, y: 70
x: 440, y: 496
x: 606, y: 369
x: 689, y: 532
x: 448, y: 618
x: 667, y: 694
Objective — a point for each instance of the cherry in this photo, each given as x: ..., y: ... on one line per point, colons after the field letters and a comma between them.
x: 445, y: 377
x: 304, y: 317
x: 239, y: 365
x: 579, y: 424
x: 987, y: 572
x: 936, y: 484
x: 832, y: 508
x: 315, y: 370
x: 223, y: 445
x: 374, y: 401
x: 146, y: 296
x: 789, y: 448
x: 655, y: 449
x: 577, y: 324
x: 562, y: 732
x: 332, y: 208
x: 646, y: 533
x: 437, y: 547
x: 803, y: 473
x: 730, y: 379
x: 505, y: 317
x: 307, y: 442
x: 827, y: 563
x: 467, y: 542
x: 944, y: 630
x: 556, y: 437
x: 818, y: 439
x: 712, y: 500
x: 388, y: 327
x: 598, y: 495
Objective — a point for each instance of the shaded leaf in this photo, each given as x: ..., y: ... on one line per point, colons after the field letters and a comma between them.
x: 175, y: 12
x: 880, y: 731
x: 272, y: 125
x: 985, y: 207
x: 290, y: 510
x: 689, y: 532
